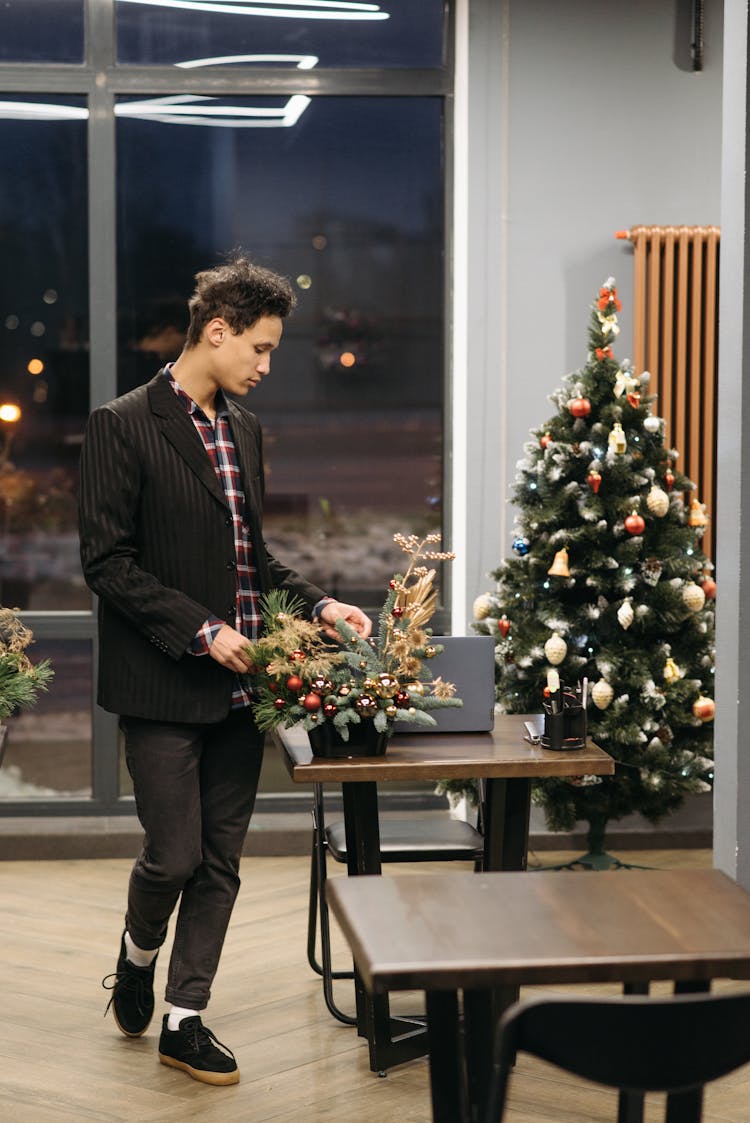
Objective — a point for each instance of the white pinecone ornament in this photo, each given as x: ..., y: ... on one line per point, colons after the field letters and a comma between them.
x: 555, y: 649
x: 694, y: 597
x: 602, y: 694
x: 657, y: 502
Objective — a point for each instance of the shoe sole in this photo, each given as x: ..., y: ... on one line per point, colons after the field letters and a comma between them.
x: 128, y: 1032
x: 216, y: 1078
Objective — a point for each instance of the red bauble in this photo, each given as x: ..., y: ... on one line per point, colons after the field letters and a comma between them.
x: 294, y: 683
x: 330, y: 709
x: 709, y: 587
x: 297, y: 656
x: 398, y: 612
x: 634, y: 398
x: 279, y: 703
x: 704, y: 708
x: 579, y: 407
x: 311, y: 703
x: 635, y: 524
x: 594, y: 480
x: 545, y: 440
x: 503, y: 626
x: 669, y: 479
x: 402, y: 699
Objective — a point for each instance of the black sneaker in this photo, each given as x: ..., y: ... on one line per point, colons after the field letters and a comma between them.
x: 132, y: 998
x: 193, y: 1048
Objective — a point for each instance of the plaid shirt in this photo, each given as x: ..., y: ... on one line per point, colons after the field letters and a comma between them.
x: 218, y: 443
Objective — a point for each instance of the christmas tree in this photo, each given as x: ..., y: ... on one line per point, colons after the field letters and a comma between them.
x: 608, y: 582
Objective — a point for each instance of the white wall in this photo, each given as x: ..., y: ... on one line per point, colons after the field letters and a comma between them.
x: 579, y: 124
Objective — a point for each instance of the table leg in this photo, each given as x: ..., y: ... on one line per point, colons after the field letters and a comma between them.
x: 507, y: 806
x: 479, y: 1032
x: 447, y: 1073
x: 391, y: 1040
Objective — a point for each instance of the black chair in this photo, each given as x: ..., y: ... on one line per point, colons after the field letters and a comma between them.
x: 638, y: 1045
x: 448, y: 840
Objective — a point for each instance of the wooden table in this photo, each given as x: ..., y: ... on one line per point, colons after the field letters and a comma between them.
x: 503, y: 762
x: 462, y: 934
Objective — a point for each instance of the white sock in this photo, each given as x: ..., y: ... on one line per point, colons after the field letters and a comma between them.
x: 137, y: 956
x: 176, y: 1014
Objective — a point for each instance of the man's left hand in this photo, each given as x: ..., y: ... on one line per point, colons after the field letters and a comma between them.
x: 335, y: 610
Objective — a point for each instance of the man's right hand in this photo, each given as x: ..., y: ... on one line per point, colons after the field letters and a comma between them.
x: 228, y: 648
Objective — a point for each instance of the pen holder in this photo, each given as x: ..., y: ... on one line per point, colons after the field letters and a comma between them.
x: 567, y: 729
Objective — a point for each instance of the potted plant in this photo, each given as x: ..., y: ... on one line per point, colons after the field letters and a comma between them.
x: 348, y: 696
x: 20, y: 679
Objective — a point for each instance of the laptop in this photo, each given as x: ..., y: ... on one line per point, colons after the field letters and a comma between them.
x: 469, y: 663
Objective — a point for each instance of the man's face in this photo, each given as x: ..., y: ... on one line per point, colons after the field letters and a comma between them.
x: 241, y: 361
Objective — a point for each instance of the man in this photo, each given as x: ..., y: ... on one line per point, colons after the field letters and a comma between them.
x: 171, y: 542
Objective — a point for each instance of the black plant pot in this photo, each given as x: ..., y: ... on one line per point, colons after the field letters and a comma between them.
x: 364, y: 740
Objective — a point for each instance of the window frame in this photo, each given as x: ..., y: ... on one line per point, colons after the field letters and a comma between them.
x: 100, y: 79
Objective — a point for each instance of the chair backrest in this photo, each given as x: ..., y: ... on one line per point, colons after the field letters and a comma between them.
x: 636, y: 1044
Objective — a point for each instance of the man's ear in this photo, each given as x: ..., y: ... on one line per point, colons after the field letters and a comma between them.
x: 215, y: 331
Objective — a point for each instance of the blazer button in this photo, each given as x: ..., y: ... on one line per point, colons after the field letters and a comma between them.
x: 228, y: 520
x: 231, y: 565
x: 231, y: 613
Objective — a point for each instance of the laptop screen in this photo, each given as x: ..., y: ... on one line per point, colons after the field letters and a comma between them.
x: 469, y: 663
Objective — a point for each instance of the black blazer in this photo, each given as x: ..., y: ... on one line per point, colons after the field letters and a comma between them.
x: 157, y: 547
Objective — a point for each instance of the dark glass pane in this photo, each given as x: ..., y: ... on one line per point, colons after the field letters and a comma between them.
x: 305, y: 34
x: 348, y: 201
x: 44, y: 360
x: 48, y: 749
x: 41, y: 31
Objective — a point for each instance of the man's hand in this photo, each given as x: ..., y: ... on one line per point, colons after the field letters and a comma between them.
x: 228, y: 648
x: 335, y: 610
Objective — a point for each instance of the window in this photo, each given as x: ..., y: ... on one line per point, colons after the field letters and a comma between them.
x: 44, y: 361
x: 143, y: 140
x: 348, y: 203
x: 281, y: 32
x: 41, y: 31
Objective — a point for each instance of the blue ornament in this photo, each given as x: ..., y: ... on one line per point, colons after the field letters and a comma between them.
x: 521, y: 546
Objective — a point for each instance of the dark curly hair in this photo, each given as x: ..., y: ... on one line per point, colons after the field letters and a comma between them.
x: 240, y: 293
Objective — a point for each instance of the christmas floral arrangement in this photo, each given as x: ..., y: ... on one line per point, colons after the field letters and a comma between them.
x: 298, y: 676
x: 20, y: 679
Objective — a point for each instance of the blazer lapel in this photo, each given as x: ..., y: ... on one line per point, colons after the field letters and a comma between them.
x: 178, y: 429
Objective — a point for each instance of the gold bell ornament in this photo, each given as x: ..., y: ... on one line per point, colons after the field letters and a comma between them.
x: 697, y: 516
x: 559, y: 567
x: 616, y: 439
x: 657, y: 502
x: 555, y: 649
x: 602, y: 694
x: 671, y: 671
x: 693, y: 597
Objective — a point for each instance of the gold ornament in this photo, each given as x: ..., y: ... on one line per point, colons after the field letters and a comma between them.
x: 657, y: 502
x: 694, y: 597
x: 625, y: 614
x: 344, y: 690
x: 697, y: 516
x: 671, y: 671
x: 555, y: 649
x: 559, y: 567
x: 416, y: 688
x: 602, y: 694
x: 616, y: 439
x: 482, y: 606
x: 391, y: 711
x: 430, y: 652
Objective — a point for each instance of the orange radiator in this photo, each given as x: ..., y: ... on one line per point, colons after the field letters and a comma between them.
x: 675, y: 337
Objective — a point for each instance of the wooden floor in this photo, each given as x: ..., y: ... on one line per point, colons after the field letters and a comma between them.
x: 61, y: 1061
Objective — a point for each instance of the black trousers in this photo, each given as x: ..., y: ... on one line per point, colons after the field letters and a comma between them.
x: 195, y: 788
